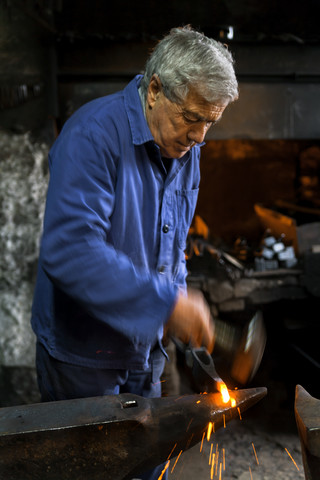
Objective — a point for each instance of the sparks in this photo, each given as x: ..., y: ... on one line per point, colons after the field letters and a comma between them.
x: 250, y: 473
x: 210, y: 427
x: 220, y: 472
x: 224, y: 392
x: 199, y: 401
x: 224, y: 459
x: 239, y: 413
x: 189, y: 424
x: 157, y: 383
x: 202, y: 441
x: 174, y: 446
x: 175, y: 463
x: 224, y: 421
x: 255, y: 453
x: 210, y: 453
x: 233, y: 402
x: 164, y: 470
x: 189, y: 441
x: 212, y: 466
x: 217, y: 461
x: 292, y: 459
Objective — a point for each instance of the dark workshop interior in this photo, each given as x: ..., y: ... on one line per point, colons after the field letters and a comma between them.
x: 254, y: 245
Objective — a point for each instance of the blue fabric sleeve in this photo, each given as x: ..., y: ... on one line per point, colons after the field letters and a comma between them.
x: 75, y: 252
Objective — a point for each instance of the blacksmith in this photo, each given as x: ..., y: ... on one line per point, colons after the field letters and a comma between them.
x: 124, y: 180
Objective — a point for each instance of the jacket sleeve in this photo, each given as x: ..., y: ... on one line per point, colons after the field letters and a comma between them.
x: 75, y: 252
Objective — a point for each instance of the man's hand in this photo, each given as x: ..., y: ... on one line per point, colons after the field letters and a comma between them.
x: 191, y: 321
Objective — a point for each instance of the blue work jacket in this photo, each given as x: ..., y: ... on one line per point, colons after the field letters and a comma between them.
x: 112, y: 251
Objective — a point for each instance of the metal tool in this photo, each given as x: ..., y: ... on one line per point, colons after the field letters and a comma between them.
x: 243, y: 347
x: 111, y: 437
x: 307, y: 414
x: 205, y: 376
x: 201, y: 370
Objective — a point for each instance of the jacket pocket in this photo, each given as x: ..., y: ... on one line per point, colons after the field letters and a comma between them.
x: 186, y: 205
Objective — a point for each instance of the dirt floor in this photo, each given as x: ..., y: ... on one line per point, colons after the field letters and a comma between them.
x: 254, y: 448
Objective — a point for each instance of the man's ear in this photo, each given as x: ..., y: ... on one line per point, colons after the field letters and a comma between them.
x: 154, y: 90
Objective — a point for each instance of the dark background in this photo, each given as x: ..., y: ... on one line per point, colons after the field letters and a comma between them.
x: 66, y: 52
x: 56, y: 55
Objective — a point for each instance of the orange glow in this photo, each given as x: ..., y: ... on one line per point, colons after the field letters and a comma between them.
x: 233, y: 402
x: 212, y: 466
x: 292, y: 459
x: 189, y: 441
x: 255, y: 454
x: 163, y: 471
x: 217, y: 461
x: 239, y: 413
x: 210, y: 453
x: 224, y: 392
x: 189, y: 424
x: 174, y: 446
x: 209, y: 431
x: 175, y: 463
x: 202, y: 441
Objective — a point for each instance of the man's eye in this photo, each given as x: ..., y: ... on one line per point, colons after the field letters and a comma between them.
x: 190, y: 120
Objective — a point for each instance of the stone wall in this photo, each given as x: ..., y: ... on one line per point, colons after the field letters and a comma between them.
x: 23, y: 185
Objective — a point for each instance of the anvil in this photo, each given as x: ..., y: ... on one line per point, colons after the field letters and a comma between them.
x: 307, y: 413
x: 111, y: 437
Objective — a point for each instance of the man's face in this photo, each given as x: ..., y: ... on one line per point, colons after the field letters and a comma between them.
x: 176, y: 128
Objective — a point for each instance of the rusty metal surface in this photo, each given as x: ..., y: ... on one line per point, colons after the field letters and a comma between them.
x: 111, y: 437
x: 307, y: 414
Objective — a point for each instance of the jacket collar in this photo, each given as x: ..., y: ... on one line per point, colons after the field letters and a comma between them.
x: 138, y: 124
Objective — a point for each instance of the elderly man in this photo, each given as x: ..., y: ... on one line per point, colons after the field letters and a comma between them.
x: 124, y: 179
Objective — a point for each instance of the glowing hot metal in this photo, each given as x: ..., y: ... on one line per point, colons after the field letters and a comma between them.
x: 222, y: 387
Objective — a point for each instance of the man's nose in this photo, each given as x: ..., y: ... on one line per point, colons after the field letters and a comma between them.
x: 198, y: 132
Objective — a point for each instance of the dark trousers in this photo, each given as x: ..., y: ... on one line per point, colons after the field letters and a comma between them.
x: 63, y: 381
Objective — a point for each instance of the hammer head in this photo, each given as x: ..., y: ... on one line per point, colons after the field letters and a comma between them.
x: 241, y: 348
x: 250, y: 350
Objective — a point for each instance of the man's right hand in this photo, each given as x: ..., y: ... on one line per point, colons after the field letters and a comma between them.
x: 191, y: 321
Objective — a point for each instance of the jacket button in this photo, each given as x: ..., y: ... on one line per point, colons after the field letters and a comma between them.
x: 161, y: 269
x: 165, y: 228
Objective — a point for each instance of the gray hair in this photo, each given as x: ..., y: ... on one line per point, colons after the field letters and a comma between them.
x: 186, y: 58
